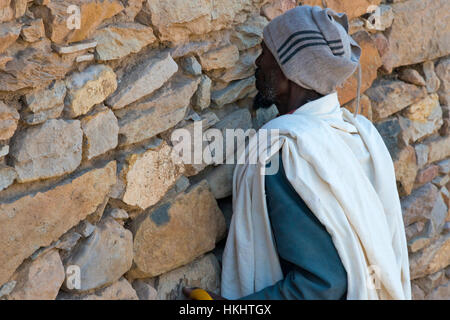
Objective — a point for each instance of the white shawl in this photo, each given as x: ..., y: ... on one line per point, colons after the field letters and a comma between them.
x: 342, y: 169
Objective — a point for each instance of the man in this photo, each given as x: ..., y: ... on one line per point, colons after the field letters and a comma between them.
x: 328, y: 224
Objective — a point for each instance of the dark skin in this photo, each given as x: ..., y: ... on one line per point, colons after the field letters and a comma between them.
x: 273, y: 88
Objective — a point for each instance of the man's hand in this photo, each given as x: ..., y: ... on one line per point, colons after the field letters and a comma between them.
x: 187, y: 292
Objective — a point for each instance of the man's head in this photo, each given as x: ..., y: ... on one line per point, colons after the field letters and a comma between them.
x: 307, y: 53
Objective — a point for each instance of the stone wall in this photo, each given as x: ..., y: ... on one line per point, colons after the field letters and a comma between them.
x: 86, y: 115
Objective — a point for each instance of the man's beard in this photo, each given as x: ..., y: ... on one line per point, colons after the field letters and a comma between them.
x: 260, y: 101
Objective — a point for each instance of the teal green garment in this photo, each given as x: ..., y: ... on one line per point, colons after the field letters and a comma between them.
x: 310, y: 263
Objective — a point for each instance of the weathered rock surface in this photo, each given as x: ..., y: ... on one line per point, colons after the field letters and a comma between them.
x: 224, y: 57
x: 103, y: 257
x: 443, y: 72
x: 101, y: 131
x: 118, y: 40
x: 234, y: 91
x: 120, y: 290
x: 47, y: 98
x: 33, y: 31
x: 49, y: 150
x: 143, y: 80
x: 158, y: 112
x: 9, y: 117
x: 250, y: 33
x: 418, y: 32
x: 34, y: 221
x: 149, y: 176
x: 175, y: 233
x: 411, y: 76
x: 9, y: 32
x: 88, y: 88
x: 7, y: 176
x: 203, y: 272
x: 273, y: 9
x: 439, y: 148
x: 39, y: 279
x: 144, y: 290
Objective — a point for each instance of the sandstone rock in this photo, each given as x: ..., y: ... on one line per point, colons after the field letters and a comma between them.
x: 85, y: 228
x: 9, y: 118
x: 422, y: 118
x: 432, y: 81
x: 9, y: 32
x: 7, y: 176
x: 250, y: 33
x: 144, y: 290
x: 118, y: 40
x: 42, y: 116
x: 88, y: 88
x: 431, y: 259
x: 203, y: 272
x: 68, y: 241
x: 365, y: 106
x: 421, y: 154
x: 103, y: 257
x: 234, y: 91
x: 85, y: 57
x: 101, y: 131
x: 224, y: 57
x: 6, y: 11
x: 273, y: 9
x: 416, y: 292
x: 48, y: 98
x: 50, y: 150
x: 33, y: 31
x: 405, y: 165
x: 35, y: 65
x: 80, y: 46
x: 143, y: 80
x: 427, y: 175
x: 443, y: 72
x: 118, y: 214
x: 120, y: 290
x: 370, y: 62
x: 39, y: 279
x: 175, y: 233
x: 156, y: 113
x: 202, y: 98
x: 132, y: 8
x: 439, y: 149
x: 418, y: 32
x: 34, y: 221
x: 440, y: 293
x: 428, y: 283
x: 411, y: 76
x: 191, y: 66
x: 390, y: 96
x: 60, y: 22
x: 244, y: 67
x: 149, y: 176
x: 351, y: 8
x: 419, y: 204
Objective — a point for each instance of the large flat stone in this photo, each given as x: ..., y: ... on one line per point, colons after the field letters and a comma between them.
x: 49, y: 150
x: 36, y: 220
x: 234, y: 91
x: 144, y: 79
x: 176, y: 232
x: 419, y: 32
x: 104, y: 256
x: 157, y: 113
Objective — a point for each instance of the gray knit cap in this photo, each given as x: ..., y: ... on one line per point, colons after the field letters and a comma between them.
x: 313, y: 47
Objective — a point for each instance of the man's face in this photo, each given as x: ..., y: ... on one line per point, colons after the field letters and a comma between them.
x: 270, y: 80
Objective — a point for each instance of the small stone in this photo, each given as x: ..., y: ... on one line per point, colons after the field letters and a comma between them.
x: 118, y: 214
x: 4, y: 150
x: 9, y: 117
x: 85, y: 228
x: 426, y: 175
x: 388, y: 97
x: 203, y: 272
x: 432, y: 81
x: 144, y: 79
x: 264, y: 115
x: 9, y: 32
x: 250, y: 33
x: 428, y: 283
x: 191, y: 66
x: 202, y: 98
x: 120, y: 290
x: 7, y: 288
x: 103, y: 257
x: 440, y: 293
x: 380, y: 19
x: 33, y: 31
x: 63, y: 49
x: 59, y: 151
x: 421, y: 154
x: 443, y: 73
x: 7, y: 176
x: 149, y: 176
x: 439, y: 148
x: 411, y: 76
x: 444, y: 166
x: 68, y: 241
x: 144, y: 290
x: 175, y: 233
x: 85, y: 57
x: 224, y: 57
x: 51, y: 97
x: 101, y: 131
x: 115, y: 41
x: 39, y: 279
x: 236, y: 90
x: 88, y: 88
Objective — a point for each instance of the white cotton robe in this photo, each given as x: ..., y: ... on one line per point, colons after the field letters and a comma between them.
x: 341, y: 168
